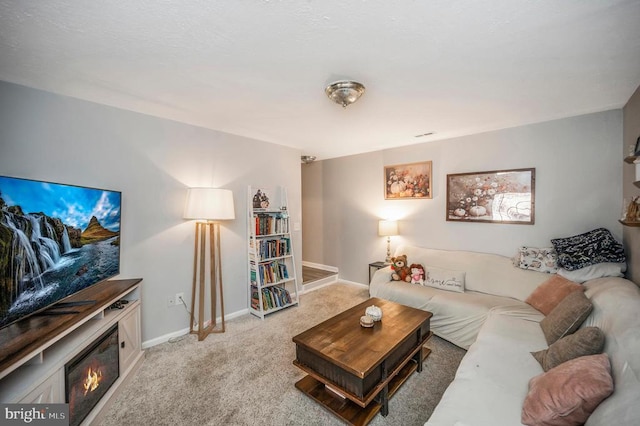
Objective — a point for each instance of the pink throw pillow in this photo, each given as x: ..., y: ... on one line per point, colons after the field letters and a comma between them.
x: 551, y: 292
x: 568, y: 393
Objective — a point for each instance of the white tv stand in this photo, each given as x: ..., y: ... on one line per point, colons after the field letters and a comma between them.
x: 33, y: 352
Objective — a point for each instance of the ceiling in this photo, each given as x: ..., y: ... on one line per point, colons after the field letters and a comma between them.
x: 259, y: 68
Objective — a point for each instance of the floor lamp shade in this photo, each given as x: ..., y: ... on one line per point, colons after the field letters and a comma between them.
x: 212, y: 205
x: 209, y: 204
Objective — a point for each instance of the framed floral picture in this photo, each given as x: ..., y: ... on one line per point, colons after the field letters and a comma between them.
x: 408, y: 181
x: 500, y: 196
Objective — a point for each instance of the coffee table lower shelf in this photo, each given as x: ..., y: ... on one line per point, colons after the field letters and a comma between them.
x: 346, y: 409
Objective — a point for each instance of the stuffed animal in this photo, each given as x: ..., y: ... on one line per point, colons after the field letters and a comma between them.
x: 417, y: 274
x: 401, y: 272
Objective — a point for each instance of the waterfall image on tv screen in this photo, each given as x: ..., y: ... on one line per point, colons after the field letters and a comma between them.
x: 55, y: 240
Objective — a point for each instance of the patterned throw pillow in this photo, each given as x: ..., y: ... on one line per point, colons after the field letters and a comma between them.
x: 590, y: 248
x: 537, y: 259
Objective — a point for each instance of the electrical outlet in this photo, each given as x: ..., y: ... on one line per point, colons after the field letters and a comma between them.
x: 175, y: 300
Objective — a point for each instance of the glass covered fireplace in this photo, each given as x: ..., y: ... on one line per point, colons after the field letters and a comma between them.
x: 90, y: 374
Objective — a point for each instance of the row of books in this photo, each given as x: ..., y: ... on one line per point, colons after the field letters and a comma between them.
x: 271, y: 272
x: 268, y: 225
x: 272, y: 297
x: 274, y: 248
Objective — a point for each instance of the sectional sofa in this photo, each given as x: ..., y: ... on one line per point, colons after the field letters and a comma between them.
x: 490, y: 318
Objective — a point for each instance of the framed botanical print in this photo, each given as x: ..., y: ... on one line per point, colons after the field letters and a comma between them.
x: 499, y: 196
x: 408, y: 181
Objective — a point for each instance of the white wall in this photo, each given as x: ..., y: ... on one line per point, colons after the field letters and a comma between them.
x: 152, y: 161
x: 313, y: 223
x: 578, y: 188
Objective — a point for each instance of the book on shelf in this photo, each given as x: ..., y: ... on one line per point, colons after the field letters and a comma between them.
x: 268, y: 224
x: 272, y: 297
x: 273, y: 272
x: 268, y: 249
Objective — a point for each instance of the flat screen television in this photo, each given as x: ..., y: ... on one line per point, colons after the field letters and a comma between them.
x: 55, y: 240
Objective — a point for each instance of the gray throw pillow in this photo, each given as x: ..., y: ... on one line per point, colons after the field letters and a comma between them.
x: 566, y: 317
x: 586, y: 341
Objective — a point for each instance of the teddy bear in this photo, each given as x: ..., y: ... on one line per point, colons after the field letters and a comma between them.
x: 417, y: 273
x: 401, y: 272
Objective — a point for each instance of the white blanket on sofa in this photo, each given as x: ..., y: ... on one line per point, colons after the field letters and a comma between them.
x: 457, y: 317
x: 490, y: 281
x: 491, y: 382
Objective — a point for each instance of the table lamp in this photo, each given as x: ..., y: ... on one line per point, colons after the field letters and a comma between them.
x: 388, y: 228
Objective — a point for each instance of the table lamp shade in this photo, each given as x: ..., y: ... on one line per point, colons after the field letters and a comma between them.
x: 387, y: 228
x: 209, y: 204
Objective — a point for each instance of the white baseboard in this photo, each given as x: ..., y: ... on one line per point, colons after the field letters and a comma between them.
x: 166, y: 337
x: 338, y: 280
x: 314, y: 285
x: 354, y: 283
x: 319, y: 266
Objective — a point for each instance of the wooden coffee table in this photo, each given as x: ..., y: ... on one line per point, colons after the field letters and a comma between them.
x: 352, y: 370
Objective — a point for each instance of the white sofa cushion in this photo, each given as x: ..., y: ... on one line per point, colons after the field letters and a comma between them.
x: 616, y: 311
x: 485, y: 273
x: 492, y: 380
x: 592, y: 272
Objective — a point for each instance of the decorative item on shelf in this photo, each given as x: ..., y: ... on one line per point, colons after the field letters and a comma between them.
x: 212, y: 205
x: 374, y: 312
x: 631, y: 210
x: 388, y: 228
x: 366, y: 321
x: 344, y: 92
x: 260, y: 199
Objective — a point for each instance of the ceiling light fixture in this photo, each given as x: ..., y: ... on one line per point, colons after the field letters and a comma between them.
x: 306, y: 159
x: 344, y: 92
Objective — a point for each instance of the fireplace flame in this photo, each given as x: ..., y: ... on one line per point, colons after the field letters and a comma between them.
x: 92, y: 381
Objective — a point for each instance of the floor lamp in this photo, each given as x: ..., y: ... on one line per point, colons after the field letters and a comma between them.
x: 211, y: 205
x: 388, y: 228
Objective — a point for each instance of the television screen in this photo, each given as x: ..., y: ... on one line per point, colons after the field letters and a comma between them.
x: 55, y: 240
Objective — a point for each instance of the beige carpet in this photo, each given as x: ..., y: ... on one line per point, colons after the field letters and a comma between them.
x: 246, y: 376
